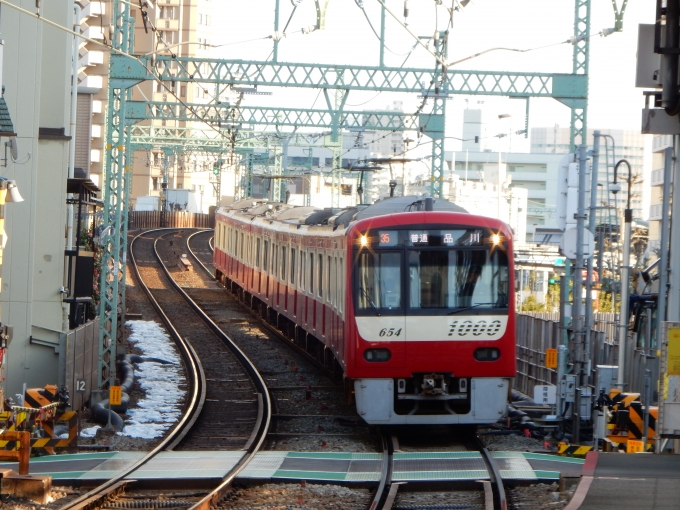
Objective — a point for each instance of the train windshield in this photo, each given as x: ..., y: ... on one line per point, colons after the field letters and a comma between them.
x: 451, y: 279
x: 379, y: 277
x: 431, y: 272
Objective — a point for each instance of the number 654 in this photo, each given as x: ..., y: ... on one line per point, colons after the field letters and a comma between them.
x: 390, y: 332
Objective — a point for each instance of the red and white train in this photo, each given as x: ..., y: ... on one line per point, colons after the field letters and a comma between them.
x: 410, y: 298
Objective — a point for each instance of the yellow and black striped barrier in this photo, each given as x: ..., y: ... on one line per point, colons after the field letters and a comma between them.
x: 33, y: 420
x: 572, y: 449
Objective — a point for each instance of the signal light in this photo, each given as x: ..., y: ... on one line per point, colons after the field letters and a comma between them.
x: 216, y: 169
x: 560, y: 261
x: 553, y: 281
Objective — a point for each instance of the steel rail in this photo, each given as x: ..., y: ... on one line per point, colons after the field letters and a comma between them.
x: 200, y: 262
x: 387, y: 491
x: 196, y: 378
x: 259, y: 434
x: 499, y: 499
x: 262, y: 322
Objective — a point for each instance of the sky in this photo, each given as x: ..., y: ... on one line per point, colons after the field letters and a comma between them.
x: 540, y: 25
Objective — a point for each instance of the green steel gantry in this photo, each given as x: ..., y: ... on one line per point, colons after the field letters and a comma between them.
x: 437, y: 83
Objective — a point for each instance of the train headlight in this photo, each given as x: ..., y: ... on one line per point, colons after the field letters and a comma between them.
x: 487, y: 354
x: 363, y: 240
x: 496, y: 239
x: 377, y: 355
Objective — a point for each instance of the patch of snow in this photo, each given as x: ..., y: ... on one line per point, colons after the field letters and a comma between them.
x: 89, y: 432
x: 161, y: 407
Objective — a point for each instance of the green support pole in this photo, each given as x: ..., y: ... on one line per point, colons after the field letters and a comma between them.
x: 436, y: 123
x: 114, y: 238
x: 581, y: 57
x: 382, y: 35
x: 276, y: 31
x: 277, y: 172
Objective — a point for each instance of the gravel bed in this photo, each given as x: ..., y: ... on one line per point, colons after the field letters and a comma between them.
x: 297, y: 497
x: 512, y: 442
x: 539, y: 497
x: 409, y: 500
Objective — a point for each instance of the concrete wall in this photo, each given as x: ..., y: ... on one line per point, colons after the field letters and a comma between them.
x: 37, y: 80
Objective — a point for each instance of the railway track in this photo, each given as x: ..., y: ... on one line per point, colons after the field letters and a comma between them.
x: 166, y: 249
x: 492, y: 492
x: 204, y: 347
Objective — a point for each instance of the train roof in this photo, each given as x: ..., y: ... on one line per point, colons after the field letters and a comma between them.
x: 334, y: 217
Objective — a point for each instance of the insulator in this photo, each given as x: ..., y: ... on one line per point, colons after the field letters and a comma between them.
x: 277, y: 36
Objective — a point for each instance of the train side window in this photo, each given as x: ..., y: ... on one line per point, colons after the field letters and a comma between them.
x: 311, y: 273
x: 275, y: 260
x: 341, y: 284
x: 235, y: 244
x: 321, y: 276
x: 265, y: 260
x: 333, y: 268
x: 302, y: 270
x: 284, y: 250
x: 257, y: 252
x: 242, y: 243
x: 292, y: 265
x: 328, y: 280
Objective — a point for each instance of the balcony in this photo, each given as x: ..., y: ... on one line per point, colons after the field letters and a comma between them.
x: 168, y: 24
x: 93, y: 9
x: 657, y: 177
x: 90, y: 85
x: 94, y: 32
x: 91, y: 58
x: 655, y: 212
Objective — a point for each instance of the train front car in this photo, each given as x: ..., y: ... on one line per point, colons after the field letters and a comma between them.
x: 431, y: 318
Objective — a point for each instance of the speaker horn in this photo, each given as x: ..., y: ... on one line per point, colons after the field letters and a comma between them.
x: 13, y: 194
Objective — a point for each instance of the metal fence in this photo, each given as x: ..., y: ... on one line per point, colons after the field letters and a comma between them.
x: 538, y: 331
x: 82, y: 356
x: 535, y: 335
x: 606, y: 322
x: 173, y: 219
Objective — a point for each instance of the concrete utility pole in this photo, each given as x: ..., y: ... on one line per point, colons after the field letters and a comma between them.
x: 589, y: 280
x: 579, y: 333
x: 578, y: 263
x: 663, y: 248
x: 625, y: 275
x: 673, y: 306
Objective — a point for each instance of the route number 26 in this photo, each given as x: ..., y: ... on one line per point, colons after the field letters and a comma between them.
x: 390, y: 332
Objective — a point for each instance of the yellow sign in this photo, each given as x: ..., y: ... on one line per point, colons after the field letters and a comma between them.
x: 551, y: 358
x: 635, y: 446
x: 115, y: 395
x: 673, y: 351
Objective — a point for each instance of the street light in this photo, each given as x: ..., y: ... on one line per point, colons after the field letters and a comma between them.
x: 625, y: 270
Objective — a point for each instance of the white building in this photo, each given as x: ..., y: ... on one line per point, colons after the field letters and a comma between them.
x: 536, y: 174
x: 659, y: 144
x: 36, y: 74
x: 627, y: 144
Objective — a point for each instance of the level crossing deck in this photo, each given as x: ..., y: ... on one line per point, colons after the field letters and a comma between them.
x: 642, y: 481
x: 332, y: 467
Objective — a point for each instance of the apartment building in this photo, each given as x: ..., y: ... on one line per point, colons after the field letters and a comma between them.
x: 183, y: 27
